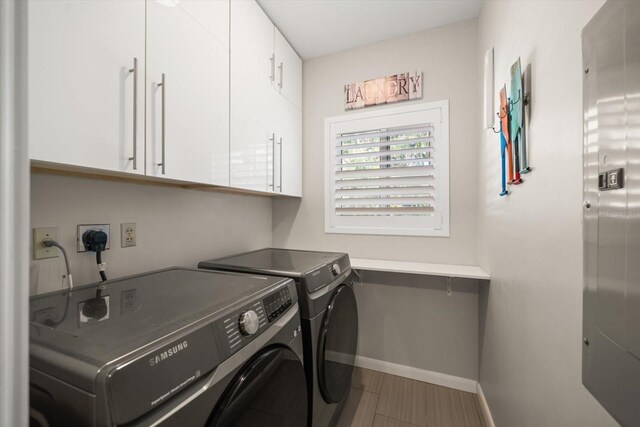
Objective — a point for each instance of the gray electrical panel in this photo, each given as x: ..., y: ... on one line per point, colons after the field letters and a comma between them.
x: 611, y: 304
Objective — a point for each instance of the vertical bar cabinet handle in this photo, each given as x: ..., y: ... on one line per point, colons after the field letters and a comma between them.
x: 163, y: 85
x: 280, y: 186
x: 272, y: 77
x: 134, y: 70
x: 280, y: 68
x: 273, y: 160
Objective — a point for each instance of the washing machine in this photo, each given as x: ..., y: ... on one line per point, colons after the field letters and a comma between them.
x: 329, y: 318
x: 176, y: 347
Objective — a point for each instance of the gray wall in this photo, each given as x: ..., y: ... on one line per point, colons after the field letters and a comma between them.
x: 404, y: 319
x: 410, y: 320
x: 531, y: 241
x: 447, y: 56
x: 174, y: 226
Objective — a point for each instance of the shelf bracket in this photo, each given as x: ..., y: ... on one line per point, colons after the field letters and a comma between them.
x: 449, y: 280
x: 358, y: 274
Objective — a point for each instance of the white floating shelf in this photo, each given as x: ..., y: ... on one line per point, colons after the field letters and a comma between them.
x: 446, y: 270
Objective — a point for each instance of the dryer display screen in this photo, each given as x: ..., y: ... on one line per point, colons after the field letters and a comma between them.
x: 277, y: 303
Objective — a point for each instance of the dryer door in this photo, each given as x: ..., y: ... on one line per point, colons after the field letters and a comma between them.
x: 338, y: 342
x: 270, y: 390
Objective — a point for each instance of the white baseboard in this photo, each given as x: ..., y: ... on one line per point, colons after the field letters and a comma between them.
x: 445, y: 380
x: 485, y: 407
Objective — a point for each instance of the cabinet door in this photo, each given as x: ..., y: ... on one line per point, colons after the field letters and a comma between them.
x: 288, y: 71
x: 81, y: 87
x: 289, y: 158
x: 252, y: 97
x: 187, y: 92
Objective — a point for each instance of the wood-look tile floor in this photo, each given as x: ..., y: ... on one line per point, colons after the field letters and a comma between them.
x: 382, y: 400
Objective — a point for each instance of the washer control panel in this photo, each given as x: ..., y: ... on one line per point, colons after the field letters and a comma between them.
x: 249, y: 322
x: 277, y: 303
x: 237, y: 328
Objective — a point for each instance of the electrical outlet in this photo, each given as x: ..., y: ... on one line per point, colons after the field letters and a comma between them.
x: 40, y: 234
x: 128, y: 234
x: 96, y: 227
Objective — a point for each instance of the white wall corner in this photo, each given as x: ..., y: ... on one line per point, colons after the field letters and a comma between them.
x: 485, y: 406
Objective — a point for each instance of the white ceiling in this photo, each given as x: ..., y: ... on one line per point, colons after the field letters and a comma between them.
x: 320, y: 27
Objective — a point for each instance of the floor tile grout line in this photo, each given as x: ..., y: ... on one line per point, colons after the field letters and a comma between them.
x: 378, y: 403
x: 389, y: 377
x: 396, y: 419
x: 426, y: 404
x: 375, y: 411
x: 380, y: 394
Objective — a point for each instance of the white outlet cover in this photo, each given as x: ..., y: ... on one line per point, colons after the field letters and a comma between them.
x: 128, y: 229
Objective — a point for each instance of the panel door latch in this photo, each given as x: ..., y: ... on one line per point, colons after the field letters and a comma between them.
x: 611, y: 180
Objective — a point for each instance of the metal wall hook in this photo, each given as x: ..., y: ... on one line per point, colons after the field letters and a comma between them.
x: 525, y: 101
x: 512, y: 103
x: 493, y: 128
x: 524, y: 98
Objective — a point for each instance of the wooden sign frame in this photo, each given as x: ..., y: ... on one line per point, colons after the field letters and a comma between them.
x: 384, y: 90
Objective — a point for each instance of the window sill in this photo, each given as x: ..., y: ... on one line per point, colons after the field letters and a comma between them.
x: 427, y: 269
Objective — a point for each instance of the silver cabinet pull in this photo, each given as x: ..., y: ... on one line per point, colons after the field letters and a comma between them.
x: 163, y: 85
x: 134, y: 70
x: 272, y: 77
x: 280, y: 182
x: 273, y: 160
x: 280, y: 68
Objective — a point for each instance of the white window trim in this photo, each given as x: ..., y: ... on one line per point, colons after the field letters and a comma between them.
x: 442, y: 171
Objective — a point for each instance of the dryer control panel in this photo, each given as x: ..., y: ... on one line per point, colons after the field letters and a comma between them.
x: 326, y: 274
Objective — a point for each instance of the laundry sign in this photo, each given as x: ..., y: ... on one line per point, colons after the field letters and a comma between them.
x: 384, y: 90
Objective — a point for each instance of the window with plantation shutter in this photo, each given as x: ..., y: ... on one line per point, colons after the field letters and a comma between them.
x: 387, y: 171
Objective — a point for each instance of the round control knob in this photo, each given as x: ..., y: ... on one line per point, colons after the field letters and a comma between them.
x: 336, y: 269
x: 249, y: 322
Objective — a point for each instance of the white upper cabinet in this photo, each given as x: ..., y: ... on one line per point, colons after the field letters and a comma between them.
x: 206, y: 92
x: 288, y: 71
x: 266, y: 87
x: 252, y: 97
x: 289, y: 155
x: 82, y: 108
x: 188, y: 91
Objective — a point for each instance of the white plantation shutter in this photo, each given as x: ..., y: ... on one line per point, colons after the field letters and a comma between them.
x: 394, y: 172
x: 387, y: 171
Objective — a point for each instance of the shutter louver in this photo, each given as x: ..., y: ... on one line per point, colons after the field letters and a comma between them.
x: 386, y: 172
